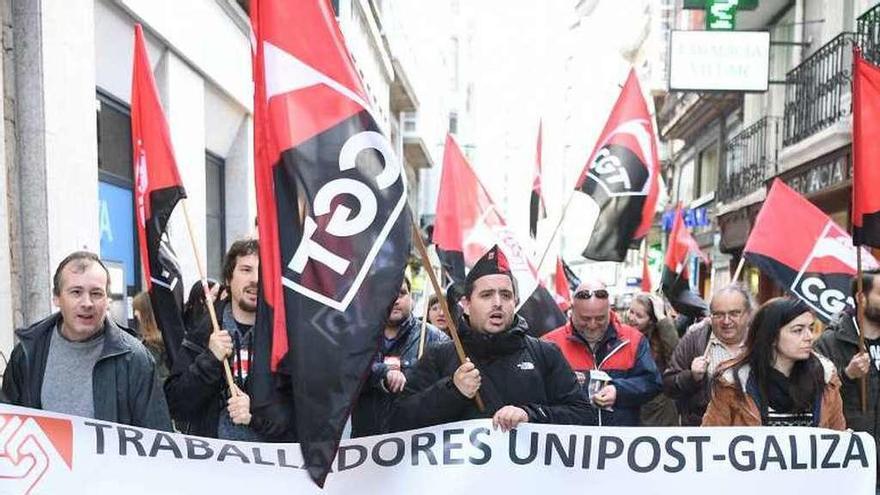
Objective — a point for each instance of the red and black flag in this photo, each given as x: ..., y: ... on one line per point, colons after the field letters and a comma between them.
x: 646, y: 273
x: 675, y: 282
x: 537, y: 211
x: 468, y: 224
x: 621, y: 177
x: 157, y: 189
x: 334, y: 228
x: 866, y: 154
x: 573, y: 280
x: 811, y: 258
x: 560, y: 285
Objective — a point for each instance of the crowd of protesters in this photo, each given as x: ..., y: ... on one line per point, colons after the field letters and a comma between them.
x: 739, y: 365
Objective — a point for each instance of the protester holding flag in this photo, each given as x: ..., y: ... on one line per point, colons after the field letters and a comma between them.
x: 840, y: 343
x: 398, y: 353
x: 196, y: 390
x: 527, y: 380
x: 778, y: 380
x: 612, y: 361
x: 688, y: 377
x: 646, y: 314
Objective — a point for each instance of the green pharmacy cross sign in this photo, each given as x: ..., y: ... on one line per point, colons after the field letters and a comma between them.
x: 721, y: 14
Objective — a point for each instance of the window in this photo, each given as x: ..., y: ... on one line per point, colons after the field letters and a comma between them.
x: 453, y: 122
x: 708, y: 170
x: 215, y: 213
x: 686, y: 183
x: 116, y: 192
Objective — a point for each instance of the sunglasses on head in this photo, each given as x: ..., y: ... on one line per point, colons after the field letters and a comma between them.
x: 587, y: 293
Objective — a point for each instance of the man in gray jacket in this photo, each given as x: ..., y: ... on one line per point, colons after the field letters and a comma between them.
x: 79, y: 362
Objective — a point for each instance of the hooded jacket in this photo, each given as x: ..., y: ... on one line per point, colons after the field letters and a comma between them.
x: 516, y: 370
x: 625, y: 355
x: 124, y: 382
x: 737, y: 405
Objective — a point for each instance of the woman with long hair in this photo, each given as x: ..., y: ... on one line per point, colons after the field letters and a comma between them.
x: 149, y: 332
x: 646, y: 314
x: 778, y: 380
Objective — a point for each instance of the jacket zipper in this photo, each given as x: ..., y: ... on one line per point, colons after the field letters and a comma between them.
x: 599, y: 366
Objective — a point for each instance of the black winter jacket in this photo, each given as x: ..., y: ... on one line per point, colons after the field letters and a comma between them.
x: 197, y: 391
x: 124, y: 382
x: 370, y: 415
x: 516, y: 369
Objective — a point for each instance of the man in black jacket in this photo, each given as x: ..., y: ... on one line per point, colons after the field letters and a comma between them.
x: 840, y: 343
x: 197, y: 391
x: 519, y: 378
x: 78, y: 361
x: 399, y: 351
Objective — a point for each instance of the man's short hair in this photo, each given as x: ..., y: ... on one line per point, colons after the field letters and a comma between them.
x: 469, y: 286
x: 239, y: 248
x: 867, y: 282
x: 81, y: 261
x: 736, y: 288
x: 408, y: 283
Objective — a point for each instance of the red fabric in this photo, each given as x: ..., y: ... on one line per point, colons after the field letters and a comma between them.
x: 866, y: 153
x: 631, y: 106
x: 536, y: 182
x: 579, y: 356
x: 563, y: 294
x: 153, y: 155
x: 681, y: 243
x: 646, y: 273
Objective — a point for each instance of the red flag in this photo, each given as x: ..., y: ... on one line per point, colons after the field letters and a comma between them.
x: 563, y: 296
x: 468, y: 224
x: 537, y: 210
x: 675, y: 280
x: 812, y: 258
x: 621, y: 176
x: 157, y: 190
x: 646, y: 273
x: 334, y: 230
x: 866, y: 154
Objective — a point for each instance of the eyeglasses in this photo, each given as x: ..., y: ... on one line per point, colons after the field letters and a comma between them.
x: 721, y: 315
x: 587, y: 293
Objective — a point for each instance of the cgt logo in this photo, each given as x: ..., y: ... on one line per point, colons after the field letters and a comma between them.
x: 30, y: 448
x: 618, y: 167
x: 824, y: 279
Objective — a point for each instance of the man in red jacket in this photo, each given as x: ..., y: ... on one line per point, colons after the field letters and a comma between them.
x: 612, y: 360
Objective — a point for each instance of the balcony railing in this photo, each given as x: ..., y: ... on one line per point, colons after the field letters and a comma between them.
x: 817, y: 92
x: 751, y: 158
x: 868, y: 27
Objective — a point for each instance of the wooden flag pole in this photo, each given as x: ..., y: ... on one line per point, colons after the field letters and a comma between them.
x: 860, y: 311
x: 739, y: 269
x: 453, y: 329
x: 209, y: 301
x: 422, y: 336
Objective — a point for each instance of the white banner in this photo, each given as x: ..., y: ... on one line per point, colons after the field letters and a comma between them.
x: 49, y: 453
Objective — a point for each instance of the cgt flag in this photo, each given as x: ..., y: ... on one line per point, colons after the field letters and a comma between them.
x: 157, y: 190
x: 866, y: 155
x: 468, y: 224
x: 813, y: 258
x: 537, y: 211
x: 334, y: 232
x: 621, y: 177
x: 674, y: 282
x: 560, y: 283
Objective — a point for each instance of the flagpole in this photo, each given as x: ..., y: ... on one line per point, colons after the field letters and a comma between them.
x: 860, y: 311
x: 555, y: 230
x: 453, y: 329
x: 424, y: 327
x: 739, y: 268
x: 209, y: 302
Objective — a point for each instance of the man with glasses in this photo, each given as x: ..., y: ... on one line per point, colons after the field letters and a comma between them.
x: 612, y: 361
x: 79, y: 361
x: 706, y: 345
